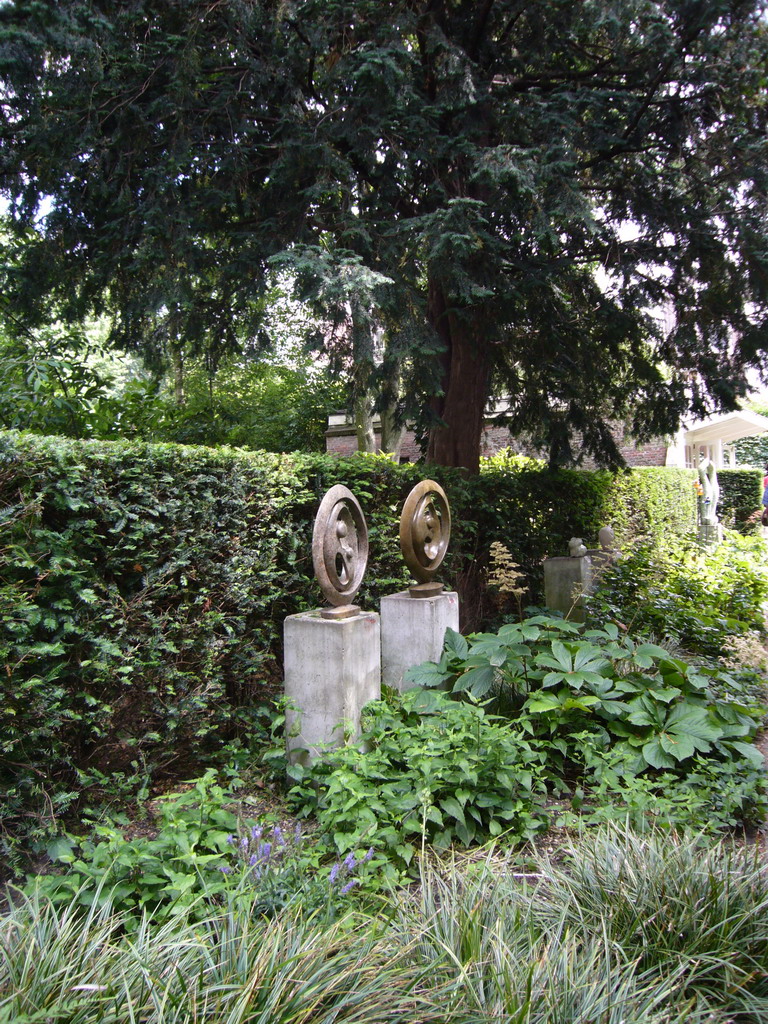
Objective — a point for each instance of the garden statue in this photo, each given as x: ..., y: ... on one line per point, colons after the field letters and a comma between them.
x: 576, y: 548
x: 340, y: 550
x: 709, y: 493
x: 425, y: 529
x: 607, y: 539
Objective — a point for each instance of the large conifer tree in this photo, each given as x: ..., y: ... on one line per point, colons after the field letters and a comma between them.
x: 509, y: 188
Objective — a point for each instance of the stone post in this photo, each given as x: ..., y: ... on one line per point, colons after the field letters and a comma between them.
x: 566, y: 582
x: 332, y: 669
x: 332, y: 655
x: 413, y: 631
x: 414, y: 621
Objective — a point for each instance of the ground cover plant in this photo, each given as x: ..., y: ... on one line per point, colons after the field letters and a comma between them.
x: 676, y: 590
x: 622, y: 727
x: 651, y: 929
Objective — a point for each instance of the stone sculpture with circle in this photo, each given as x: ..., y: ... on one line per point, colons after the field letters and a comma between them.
x: 425, y: 529
x: 340, y: 550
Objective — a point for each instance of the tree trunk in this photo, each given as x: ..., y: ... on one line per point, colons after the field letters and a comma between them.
x: 361, y: 410
x: 391, y: 435
x: 465, y: 380
x: 177, y: 369
x: 362, y: 356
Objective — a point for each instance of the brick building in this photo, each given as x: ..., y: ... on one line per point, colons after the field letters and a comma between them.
x: 713, y: 437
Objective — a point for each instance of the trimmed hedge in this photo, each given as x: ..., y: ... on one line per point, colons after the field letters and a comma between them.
x: 741, y: 491
x: 143, y: 587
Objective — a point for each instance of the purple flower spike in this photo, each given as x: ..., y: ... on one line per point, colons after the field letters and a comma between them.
x: 349, y: 861
x: 230, y: 840
x: 334, y: 872
x: 225, y: 870
x: 345, y: 889
x: 264, y: 851
x: 368, y: 856
x: 244, y: 843
x: 254, y: 860
x: 256, y: 832
x: 297, y: 834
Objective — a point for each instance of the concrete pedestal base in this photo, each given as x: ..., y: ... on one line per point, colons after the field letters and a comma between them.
x: 413, y: 631
x: 332, y: 668
x: 710, y: 534
x: 566, y: 581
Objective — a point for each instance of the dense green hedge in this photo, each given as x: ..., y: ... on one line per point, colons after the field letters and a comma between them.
x: 741, y: 491
x: 143, y: 587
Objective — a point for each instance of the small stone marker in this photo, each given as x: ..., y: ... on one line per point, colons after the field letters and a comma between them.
x: 567, y: 580
x: 414, y: 621
x: 332, y: 657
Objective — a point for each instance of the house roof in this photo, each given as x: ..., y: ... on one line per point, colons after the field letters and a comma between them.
x: 730, y: 426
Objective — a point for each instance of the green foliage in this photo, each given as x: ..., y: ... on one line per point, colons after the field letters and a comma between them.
x: 651, y: 929
x: 430, y: 769
x: 255, y: 405
x: 684, y: 911
x: 196, y: 854
x: 697, y: 598
x: 571, y: 121
x: 563, y: 683
x: 143, y: 589
x: 740, y: 494
x: 624, y: 928
x: 48, y: 384
x: 228, y: 966
x: 164, y: 874
x: 710, y: 796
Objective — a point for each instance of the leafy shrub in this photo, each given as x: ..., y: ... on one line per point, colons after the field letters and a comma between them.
x: 740, y: 494
x: 601, y: 708
x: 698, y: 598
x: 162, y: 873
x: 143, y: 589
x: 430, y: 767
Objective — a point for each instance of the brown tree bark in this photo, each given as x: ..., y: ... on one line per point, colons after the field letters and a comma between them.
x: 465, y: 380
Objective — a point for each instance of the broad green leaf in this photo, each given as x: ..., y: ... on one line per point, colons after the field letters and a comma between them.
x: 453, y: 807
x: 542, y: 702
x: 455, y: 644
x: 656, y: 756
x: 696, y: 722
x: 750, y: 752
x: 426, y: 675
x: 477, y: 680
x: 427, y: 702
x: 678, y: 744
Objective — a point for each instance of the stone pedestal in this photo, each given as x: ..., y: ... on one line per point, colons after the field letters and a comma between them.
x: 566, y: 582
x: 601, y: 560
x: 332, y: 668
x: 710, y: 534
x: 413, y: 631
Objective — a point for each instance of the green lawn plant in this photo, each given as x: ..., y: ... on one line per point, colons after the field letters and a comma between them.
x: 620, y: 929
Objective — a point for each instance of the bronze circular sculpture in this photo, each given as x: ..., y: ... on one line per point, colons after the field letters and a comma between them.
x: 340, y: 546
x: 425, y: 529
